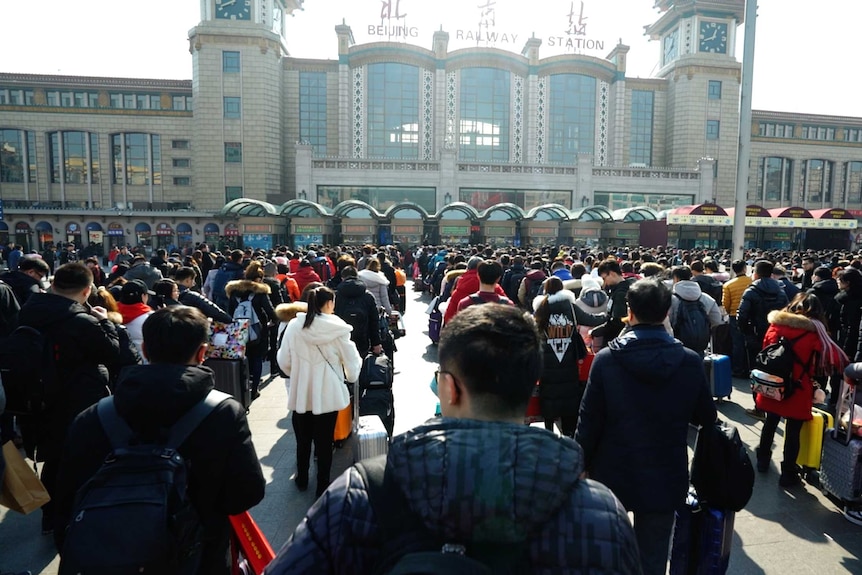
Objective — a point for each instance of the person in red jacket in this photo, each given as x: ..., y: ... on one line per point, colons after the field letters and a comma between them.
x: 468, y: 283
x: 305, y: 275
x: 816, y: 353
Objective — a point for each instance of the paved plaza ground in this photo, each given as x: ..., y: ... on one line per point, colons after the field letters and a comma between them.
x: 781, y: 532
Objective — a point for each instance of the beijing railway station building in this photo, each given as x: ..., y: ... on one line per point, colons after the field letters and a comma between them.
x: 394, y: 142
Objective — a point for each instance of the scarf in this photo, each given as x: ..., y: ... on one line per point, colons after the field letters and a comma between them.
x: 832, y: 359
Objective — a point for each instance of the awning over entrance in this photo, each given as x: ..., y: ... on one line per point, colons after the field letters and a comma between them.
x: 702, y: 214
x: 755, y: 216
x: 794, y: 217
x: 834, y: 218
x: 637, y: 214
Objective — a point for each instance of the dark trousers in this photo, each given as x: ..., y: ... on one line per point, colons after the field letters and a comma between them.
x: 653, y: 531
x: 318, y: 429
x: 738, y: 355
x: 568, y: 425
x: 792, y: 429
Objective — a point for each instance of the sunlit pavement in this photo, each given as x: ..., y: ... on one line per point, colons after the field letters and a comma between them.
x: 781, y: 532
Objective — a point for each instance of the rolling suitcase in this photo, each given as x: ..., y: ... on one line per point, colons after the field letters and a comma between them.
x: 702, y: 538
x: 369, y: 433
x: 343, y: 425
x: 231, y: 376
x: 718, y: 374
x: 811, y: 439
x: 841, y: 465
x: 379, y: 401
x: 435, y: 321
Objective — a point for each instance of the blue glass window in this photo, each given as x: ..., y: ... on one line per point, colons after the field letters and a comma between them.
x: 712, y: 129
x: 233, y: 152
x: 392, y: 120
x: 78, y: 164
x: 774, y: 179
x: 640, y: 145
x: 817, y: 179
x: 232, y: 193
x: 232, y: 107
x: 572, y: 117
x: 714, y: 90
x: 142, y: 162
x: 230, y: 62
x: 853, y: 182
x: 485, y: 115
x: 14, y: 157
x: 312, y: 110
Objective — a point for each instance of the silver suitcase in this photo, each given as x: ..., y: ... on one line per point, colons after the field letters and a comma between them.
x: 841, y: 466
x: 370, y: 436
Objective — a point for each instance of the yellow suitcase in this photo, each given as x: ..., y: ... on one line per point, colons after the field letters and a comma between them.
x: 811, y: 438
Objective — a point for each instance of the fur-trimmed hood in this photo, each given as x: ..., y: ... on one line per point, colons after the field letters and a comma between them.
x: 287, y: 311
x: 794, y: 320
x: 452, y: 275
x: 240, y: 286
x: 562, y: 295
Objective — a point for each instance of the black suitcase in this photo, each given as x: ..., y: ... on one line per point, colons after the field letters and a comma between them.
x: 379, y: 401
x: 702, y: 538
x: 231, y: 377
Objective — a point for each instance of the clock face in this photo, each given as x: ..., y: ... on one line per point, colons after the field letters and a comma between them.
x: 233, y: 9
x: 713, y: 37
x: 671, y: 46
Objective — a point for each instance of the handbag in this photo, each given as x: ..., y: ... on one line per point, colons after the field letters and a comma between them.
x: 22, y: 491
x: 534, y: 407
x: 249, y: 546
x: 228, y: 340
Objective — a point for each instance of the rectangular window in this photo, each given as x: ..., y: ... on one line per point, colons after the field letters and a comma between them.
x: 189, y: 106
x: 66, y: 99
x: 93, y: 99
x: 29, y: 98
x: 230, y: 62
x: 714, y: 91
x: 53, y: 98
x: 182, y: 181
x: 640, y: 146
x: 182, y: 163
x: 232, y: 193
x: 178, y: 102
x: 312, y: 110
x: 129, y: 101
x: 155, y: 102
x: 116, y: 100
x: 180, y: 144
x: 233, y: 152
x: 4, y: 97
x: 712, y: 129
x: 80, y: 99
x: 231, y: 107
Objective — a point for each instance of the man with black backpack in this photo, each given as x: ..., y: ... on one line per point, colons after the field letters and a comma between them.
x: 195, y: 438
x: 476, y: 490
x: 693, y: 313
x: 356, y: 306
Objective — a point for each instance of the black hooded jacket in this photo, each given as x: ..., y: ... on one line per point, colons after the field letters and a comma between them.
x: 225, y: 476
x: 825, y: 291
x: 23, y: 285
x: 351, y: 294
x: 758, y: 299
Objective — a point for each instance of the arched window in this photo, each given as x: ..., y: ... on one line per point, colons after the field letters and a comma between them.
x: 392, y: 120
x: 571, y: 117
x: 484, y: 129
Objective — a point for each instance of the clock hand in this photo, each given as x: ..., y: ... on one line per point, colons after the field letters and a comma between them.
x: 226, y: 4
x: 710, y: 39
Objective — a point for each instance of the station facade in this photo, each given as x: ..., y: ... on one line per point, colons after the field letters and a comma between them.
x: 389, y: 141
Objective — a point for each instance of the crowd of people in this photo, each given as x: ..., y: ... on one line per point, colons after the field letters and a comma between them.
x: 511, y: 317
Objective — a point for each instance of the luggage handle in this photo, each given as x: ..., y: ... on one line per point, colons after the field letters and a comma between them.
x: 846, y: 403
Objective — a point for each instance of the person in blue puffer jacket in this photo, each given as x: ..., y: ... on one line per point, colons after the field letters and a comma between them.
x: 477, y: 476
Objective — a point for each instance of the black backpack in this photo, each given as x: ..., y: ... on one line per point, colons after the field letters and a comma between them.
x: 28, y: 368
x: 512, y: 281
x: 778, y: 359
x: 134, y: 515
x: 691, y: 325
x: 410, y: 548
x: 532, y: 289
x: 355, y: 313
x: 721, y: 469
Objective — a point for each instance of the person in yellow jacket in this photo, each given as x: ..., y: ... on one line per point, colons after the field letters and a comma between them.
x: 731, y: 295
x: 400, y: 283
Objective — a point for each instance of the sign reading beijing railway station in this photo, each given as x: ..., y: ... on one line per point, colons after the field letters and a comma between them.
x: 392, y: 22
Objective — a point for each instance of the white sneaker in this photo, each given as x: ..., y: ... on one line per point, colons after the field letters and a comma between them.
x: 853, y: 515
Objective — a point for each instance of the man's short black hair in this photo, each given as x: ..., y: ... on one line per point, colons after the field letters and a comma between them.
x: 738, y: 266
x: 37, y: 264
x: 348, y: 271
x: 681, y: 273
x: 649, y: 300
x: 173, y: 334
x: 496, y: 352
x: 823, y: 273
x: 72, y: 277
x: 489, y: 272
x: 184, y: 273
x: 608, y: 266
x: 763, y: 268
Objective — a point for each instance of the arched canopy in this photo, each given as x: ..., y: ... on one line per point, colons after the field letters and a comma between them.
x: 592, y: 214
x: 508, y: 211
x: 248, y: 207
x: 4, y: 227
x: 302, y: 208
x: 701, y: 214
x: 637, y: 214
x: 550, y: 212
x: 406, y: 207
x: 94, y: 227
x: 834, y: 218
x: 184, y: 229
x: 44, y: 227
x: 211, y: 229
x: 794, y: 212
x: 142, y: 228
x: 462, y: 208
x: 348, y: 207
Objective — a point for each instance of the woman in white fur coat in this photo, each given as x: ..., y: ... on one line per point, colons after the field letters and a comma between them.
x: 317, y: 353
x: 558, y: 317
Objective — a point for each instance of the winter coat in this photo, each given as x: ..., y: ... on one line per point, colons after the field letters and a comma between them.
x: 791, y: 326
x: 758, y: 299
x: 241, y: 290
x: 304, y: 276
x: 468, y: 480
x: 467, y: 284
x: 22, y: 285
x: 826, y: 290
x: 229, y: 271
x: 377, y: 284
x: 208, y: 308
x: 85, y: 346
x: 225, y: 477
x: 560, y: 391
x: 9, y: 310
x: 319, y: 359
x: 352, y: 289
x: 618, y: 308
x: 144, y: 272
x: 527, y: 284
x: 643, y: 391
x: 134, y: 316
x: 850, y: 318
x: 732, y: 292
x: 691, y: 291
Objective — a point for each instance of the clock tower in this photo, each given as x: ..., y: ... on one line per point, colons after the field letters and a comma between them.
x: 697, y: 40
x: 237, y: 52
